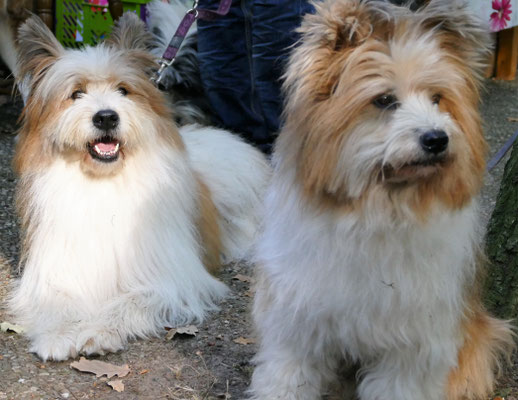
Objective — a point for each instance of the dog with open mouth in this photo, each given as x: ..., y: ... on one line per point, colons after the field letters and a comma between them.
x: 370, y: 250
x: 124, y: 218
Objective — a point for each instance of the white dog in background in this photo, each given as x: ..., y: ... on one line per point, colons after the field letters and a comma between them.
x: 371, y: 241
x: 123, y: 217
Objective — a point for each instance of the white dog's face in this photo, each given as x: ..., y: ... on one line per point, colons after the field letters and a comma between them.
x: 386, y: 106
x: 404, y: 131
x: 95, y: 106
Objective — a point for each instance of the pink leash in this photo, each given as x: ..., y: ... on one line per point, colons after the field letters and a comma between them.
x: 181, y: 32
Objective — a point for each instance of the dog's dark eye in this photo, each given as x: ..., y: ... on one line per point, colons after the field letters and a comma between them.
x: 436, y: 98
x: 122, y: 91
x: 386, y: 102
x: 77, y: 94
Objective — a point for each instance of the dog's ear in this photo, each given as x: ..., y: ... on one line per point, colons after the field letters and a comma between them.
x: 461, y: 31
x: 339, y: 24
x: 38, y: 48
x: 327, y: 38
x: 130, y: 33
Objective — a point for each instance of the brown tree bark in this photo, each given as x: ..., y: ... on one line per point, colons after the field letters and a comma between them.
x: 501, y: 287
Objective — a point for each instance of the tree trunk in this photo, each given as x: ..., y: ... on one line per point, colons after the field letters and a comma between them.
x: 501, y: 287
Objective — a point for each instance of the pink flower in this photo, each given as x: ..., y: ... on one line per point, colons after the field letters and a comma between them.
x: 502, y: 14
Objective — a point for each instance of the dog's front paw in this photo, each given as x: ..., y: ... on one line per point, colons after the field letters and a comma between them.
x: 99, y: 341
x: 54, y: 347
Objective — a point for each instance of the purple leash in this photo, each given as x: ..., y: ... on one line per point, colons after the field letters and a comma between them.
x: 181, y: 32
x: 502, y: 152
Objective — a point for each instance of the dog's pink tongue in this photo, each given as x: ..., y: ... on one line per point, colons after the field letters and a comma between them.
x: 106, y: 146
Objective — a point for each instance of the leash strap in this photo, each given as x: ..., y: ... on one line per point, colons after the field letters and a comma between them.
x: 502, y: 152
x: 181, y: 32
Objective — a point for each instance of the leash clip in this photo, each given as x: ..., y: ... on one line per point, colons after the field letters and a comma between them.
x: 163, y: 65
x: 194, y: 9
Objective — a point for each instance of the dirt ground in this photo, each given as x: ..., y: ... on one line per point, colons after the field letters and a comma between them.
x: 211, y: 365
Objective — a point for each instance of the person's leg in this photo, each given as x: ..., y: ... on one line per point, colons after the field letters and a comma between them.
x: 224, y: 54
x: 273, y: 33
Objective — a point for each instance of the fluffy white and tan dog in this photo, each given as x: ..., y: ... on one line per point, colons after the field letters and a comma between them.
x: 370, y: 249
x: 123, y: 217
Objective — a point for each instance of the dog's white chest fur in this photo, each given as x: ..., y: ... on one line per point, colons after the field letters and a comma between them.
x: 117, y: 257
x: 361, y: 288
x: 363, y: 270
x: 407, y: 280
x: 105, y: 230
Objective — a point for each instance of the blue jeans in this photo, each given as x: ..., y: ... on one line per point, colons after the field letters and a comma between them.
x: 242, y: 57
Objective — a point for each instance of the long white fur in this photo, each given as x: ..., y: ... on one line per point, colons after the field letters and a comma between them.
x: 375, y: 286
x: 326, y: 278
x: 116, y: 257
x: 119, y: 258
x: 226, y: 162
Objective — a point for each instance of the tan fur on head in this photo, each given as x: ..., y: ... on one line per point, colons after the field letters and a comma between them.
x: 208, y: 228
x: 38, y: 48
x: 130, y: 34
x: 124, y: 217
x: 57, y: 124
x: 350, y: 52
x: 368, y: 252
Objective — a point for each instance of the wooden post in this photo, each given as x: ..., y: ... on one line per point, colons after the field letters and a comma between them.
x: 116, y: 9
x: 44, y: 11
x: 507, y: 54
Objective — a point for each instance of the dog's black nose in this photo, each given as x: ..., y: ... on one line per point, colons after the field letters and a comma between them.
x: 434, y: 142
x: 106, y: 120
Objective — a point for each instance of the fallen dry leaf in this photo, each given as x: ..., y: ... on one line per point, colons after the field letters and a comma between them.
x: 170, y: 334
x: 511, y: 119
x: 100, y: 368
x: 144, y: 371
x: 242, y: 340
x: 243, y: 278
x: 187, y: 330
x: 183, y: 330
x: 6, y: 326
x: 117, y: 385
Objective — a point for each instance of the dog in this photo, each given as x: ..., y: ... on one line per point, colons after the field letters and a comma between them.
x: 124, y: 218
x: 182, y: 80
x: 371, y: 245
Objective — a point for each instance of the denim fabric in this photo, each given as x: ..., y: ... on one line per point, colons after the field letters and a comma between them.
x: 241, y: 59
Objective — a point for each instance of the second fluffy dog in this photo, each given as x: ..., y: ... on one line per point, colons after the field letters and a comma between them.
x: 370, y: 249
